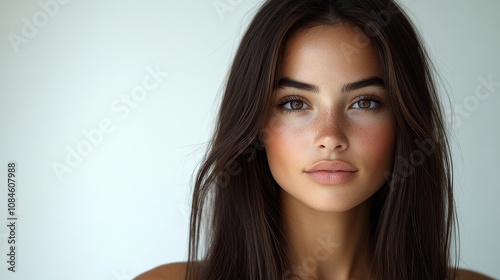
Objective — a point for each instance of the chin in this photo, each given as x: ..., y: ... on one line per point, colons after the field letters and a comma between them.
x: 336, y: 205
x: 327, y: 202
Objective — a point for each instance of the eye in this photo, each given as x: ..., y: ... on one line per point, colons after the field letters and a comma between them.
x: 367, y: 103
x: 293, y: 103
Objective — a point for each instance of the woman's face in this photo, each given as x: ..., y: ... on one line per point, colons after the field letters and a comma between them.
x: 330, y: 139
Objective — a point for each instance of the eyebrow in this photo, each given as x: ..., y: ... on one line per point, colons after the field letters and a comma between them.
x: 372, y: 81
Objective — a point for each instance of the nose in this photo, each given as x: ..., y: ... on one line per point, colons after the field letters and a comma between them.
x: 331, y: 132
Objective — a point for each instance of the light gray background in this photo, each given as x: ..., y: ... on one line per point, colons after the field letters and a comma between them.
x: 123, y: 209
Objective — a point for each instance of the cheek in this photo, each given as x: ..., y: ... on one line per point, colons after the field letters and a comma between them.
x: 285, y: 130
x: 375, y: 144
x: 285, y: 139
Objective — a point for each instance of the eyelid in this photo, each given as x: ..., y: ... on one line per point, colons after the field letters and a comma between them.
x: 369, y: 97
x: 289, y: 98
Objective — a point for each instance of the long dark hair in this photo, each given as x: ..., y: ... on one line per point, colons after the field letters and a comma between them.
x: 236, y: 200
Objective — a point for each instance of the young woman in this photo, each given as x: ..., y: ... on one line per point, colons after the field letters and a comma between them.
x: 330, y: 158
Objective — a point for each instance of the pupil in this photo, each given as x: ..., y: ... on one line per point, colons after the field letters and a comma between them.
x: 296, y: 105
x: 364, y: 104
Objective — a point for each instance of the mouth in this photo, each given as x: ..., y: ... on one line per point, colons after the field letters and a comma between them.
x: 326, y: 177
x: 331, y: 172
x: 331, y: 166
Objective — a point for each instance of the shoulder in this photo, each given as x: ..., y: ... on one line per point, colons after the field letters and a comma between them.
x: 173, y: 271
x: 464, y: 274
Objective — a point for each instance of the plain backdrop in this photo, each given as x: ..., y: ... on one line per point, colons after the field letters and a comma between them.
x: 106, y: 108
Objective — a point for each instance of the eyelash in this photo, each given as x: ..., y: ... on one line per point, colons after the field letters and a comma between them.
x: 367, y: 97
x: 371, y: 98
x: 290, y: 98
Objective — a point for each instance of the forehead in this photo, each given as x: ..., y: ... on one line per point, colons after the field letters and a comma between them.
x: 339, y: 51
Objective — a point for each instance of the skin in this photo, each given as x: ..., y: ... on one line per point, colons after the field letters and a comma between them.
x: 329, y: 123
x: 177, y: 271
x: 327, y: 224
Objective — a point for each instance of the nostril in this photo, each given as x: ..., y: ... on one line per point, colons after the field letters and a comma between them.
x: 332, y: 147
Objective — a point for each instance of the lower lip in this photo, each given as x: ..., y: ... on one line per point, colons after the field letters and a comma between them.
x: 331, y: 178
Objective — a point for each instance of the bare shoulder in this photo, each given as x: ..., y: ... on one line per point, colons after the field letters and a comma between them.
x: 173, y: 271
x: 464, y: 274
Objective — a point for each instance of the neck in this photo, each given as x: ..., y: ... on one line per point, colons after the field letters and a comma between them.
x: 326, y: 245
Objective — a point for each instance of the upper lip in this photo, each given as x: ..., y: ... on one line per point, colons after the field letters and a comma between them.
x: 331, y: 166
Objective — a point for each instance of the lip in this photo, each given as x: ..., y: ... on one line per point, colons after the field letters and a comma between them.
x: 334, y: 172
